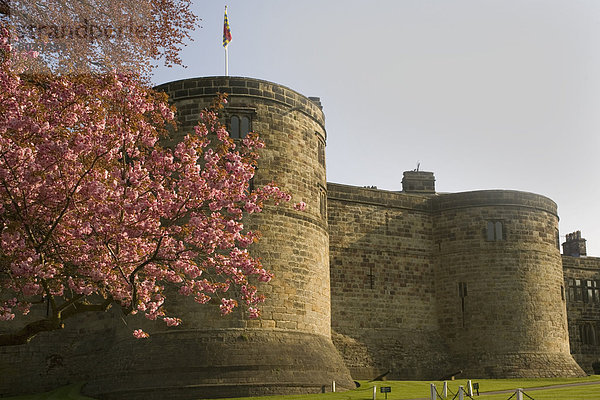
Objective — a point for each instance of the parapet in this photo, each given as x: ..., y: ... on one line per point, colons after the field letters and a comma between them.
x: 491, y: 198
x: 255, y: 90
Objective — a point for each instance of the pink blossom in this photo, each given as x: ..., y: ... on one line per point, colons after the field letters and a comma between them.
x: 172, y: 321
x: 140, y: 334
x: 122, y: 216
x: 301, y: 206
x: 253, y: 312
x: 227, y: 306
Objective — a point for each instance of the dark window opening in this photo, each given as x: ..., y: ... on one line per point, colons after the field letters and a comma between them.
x: 462, y: 293
x: 323, y: 203
x: 251, y: 184
x: 494, y: 231
x: 321, y: 150
x: 239, y: 126
x: 587, y: 334
x: 371, y: 277
x: 244, y: 127
x: 585, y: 290
x: 234, y: 127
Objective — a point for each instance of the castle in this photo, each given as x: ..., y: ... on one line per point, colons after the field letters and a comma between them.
x: 414, y: 283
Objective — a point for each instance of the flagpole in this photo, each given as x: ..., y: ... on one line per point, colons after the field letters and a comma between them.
x: 226, y: 40
x: 226, y: 61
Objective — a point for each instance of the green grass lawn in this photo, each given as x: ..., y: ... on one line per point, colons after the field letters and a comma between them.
x: 406, y: 390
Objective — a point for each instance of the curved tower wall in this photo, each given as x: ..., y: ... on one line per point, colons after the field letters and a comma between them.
x: 289, y: 349
x: 499, y: 287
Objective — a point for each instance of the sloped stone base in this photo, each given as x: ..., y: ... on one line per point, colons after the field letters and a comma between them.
x: 211, y: 364
x: 520, y: 365
x: 401, y: 354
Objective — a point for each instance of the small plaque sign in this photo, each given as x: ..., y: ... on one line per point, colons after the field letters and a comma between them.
x: 385, y: 389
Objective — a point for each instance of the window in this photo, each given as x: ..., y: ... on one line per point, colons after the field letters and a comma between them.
x: 251, y: 184
x: 239, y: 120
x: 239, y: 126
x: 462, y: 293
x: 494, y: 231
x: 585, y: 290
x: 320, y: 149
x: 323, y: 202
x: 572, y: 290
x: 587, y: 334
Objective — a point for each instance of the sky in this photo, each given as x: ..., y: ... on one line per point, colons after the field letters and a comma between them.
x: 486, y: 94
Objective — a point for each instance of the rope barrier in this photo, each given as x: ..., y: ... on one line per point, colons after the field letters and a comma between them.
x: 438, y: 394
x: 528, y: 395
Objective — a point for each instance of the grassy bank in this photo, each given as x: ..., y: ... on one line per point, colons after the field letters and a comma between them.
x: 408, y: 390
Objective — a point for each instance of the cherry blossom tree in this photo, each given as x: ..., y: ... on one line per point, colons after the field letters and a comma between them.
x: 87, y: 35
x: 95, y: 212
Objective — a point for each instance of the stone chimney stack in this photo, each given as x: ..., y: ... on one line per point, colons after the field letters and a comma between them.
x: 418, y: 182
x: 575, y: 245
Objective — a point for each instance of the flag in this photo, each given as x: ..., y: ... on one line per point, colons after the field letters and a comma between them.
x: 226, y: 30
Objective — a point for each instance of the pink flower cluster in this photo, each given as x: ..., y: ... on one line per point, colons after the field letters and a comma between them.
x: 92, y: 205
x: 140, y: 334
x: 301, y: 206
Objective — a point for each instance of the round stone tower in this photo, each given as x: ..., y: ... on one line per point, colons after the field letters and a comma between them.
x: 289, y: 349
x: 499, y: 285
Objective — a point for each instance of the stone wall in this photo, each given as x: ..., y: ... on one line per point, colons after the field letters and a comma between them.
x: 414, y: 284
x: 382, y: 289
x: 289, y: 349
x: 58, y: 358
x: 427, y: 285
x: 582, y: 283
x: 498, y: 284
x: 293, y: 244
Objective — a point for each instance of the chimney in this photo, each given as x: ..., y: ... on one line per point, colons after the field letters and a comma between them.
x: 418, y: 182
x: 574, y: 245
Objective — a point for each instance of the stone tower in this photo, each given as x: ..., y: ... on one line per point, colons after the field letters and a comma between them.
x: 289, y: 350
x: 499, y: 284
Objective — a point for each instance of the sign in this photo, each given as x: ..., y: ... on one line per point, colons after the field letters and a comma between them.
x: 385, y: 389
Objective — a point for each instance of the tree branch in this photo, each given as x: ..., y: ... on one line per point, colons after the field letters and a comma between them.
x: 134, y: 274
x: 68, y: 202
x: 29, y: 331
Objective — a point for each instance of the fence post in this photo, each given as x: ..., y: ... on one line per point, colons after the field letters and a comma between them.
x: 461, y: 393
x: 519, y: 394
x: 469, y: 388
x: 333, y: 386
x: 374, y: 392
x: 445, y: 390
x: 432, y: 392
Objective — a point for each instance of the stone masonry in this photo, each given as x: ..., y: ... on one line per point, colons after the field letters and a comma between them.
x: 582, y: 292
x: 412, y: 283
x: 431, y: 284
